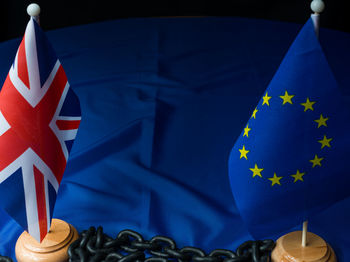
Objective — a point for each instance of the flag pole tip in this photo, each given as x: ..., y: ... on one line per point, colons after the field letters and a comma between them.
x: 33, y: 9
x: 317, y: 6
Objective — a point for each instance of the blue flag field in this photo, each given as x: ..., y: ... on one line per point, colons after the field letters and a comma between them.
x: 290, y: 160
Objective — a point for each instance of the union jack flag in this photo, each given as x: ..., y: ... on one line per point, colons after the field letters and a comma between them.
x: 39, y: 119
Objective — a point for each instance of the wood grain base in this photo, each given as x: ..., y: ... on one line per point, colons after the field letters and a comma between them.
x: 53, y: 248
x: 288, y: 249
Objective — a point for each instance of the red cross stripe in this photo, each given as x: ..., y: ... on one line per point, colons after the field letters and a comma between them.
x: 30, y: 126
x: 39, y: 119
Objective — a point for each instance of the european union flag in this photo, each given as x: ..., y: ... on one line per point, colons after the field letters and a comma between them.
x: 292, y: 157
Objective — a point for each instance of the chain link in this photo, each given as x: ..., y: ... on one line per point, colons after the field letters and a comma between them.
x: 5, y: 259
x: 129, y: 246
x: 93, y: 245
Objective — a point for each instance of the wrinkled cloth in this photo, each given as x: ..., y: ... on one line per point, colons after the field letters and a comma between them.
x: 163, y: 101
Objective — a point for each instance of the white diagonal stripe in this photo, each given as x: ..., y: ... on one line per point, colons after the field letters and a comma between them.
x: 35, y: 92
x: 32, y: 58
x: 4, y: 125
x: 63, y: 135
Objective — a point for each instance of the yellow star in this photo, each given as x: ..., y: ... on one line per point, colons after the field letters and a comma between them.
x: 287, y: 98
x: 254, y: 113
x: 256, y: 171
x: 316, y: 161
x: 275, y: 179
x: 298, y: 176
x: 243, y: 152
x: 246, y: 131
x: 266, y: 99
x: 325, y: 141
x: 321, y: 121
x: 308, y: 105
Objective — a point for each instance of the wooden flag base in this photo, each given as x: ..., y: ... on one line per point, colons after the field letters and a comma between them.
x: 289, y: 249
x: 53, y: 248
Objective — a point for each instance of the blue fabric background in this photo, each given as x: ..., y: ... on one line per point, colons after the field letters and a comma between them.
x: 163, y: 101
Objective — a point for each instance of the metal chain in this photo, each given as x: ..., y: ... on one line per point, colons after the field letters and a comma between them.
x: 93, y: 245
x: 5, y: 259
x: 129, y: 246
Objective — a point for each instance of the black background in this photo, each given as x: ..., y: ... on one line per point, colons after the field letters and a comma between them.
x: 57, y: 14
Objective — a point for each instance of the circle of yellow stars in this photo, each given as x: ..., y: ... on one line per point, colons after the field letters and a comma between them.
x: 325, y: 142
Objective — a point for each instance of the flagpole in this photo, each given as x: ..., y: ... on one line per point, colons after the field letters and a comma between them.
x: 34, y: 11
x: 304, y: 235
x: 303, y: 245
x: 53, y: 246
x: 317, y: 6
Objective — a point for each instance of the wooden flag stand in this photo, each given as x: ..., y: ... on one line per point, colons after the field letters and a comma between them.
x: 289, y: 249
x: 302, y: 246
x: 53, y: 248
